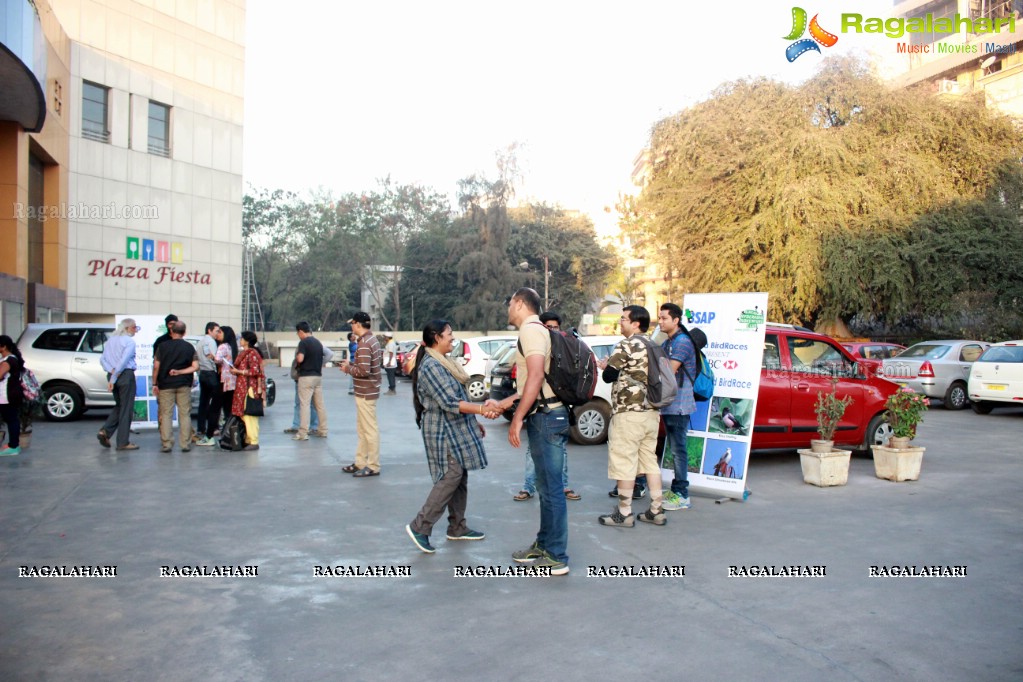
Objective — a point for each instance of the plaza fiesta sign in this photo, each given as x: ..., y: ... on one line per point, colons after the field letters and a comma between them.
x: 151, y: 253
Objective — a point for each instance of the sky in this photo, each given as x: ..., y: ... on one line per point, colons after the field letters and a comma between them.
x: 342, y: 93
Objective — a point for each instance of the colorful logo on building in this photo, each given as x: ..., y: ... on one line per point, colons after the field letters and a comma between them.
x: 154, y: 250
x: 799, y: 27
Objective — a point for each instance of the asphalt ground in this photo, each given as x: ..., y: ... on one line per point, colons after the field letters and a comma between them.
x: 288, y: 508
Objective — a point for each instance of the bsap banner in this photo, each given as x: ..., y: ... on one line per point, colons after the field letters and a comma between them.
x: 721, y: 429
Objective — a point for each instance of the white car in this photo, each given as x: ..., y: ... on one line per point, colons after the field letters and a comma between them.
x: 593, y: 418
x: 997, y: 377
x: 473, y: 354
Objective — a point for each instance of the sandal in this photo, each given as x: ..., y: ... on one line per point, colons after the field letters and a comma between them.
x: 523, y: 496
x: 364, y: 472
x: 572, y: 495
x: 350, y: 469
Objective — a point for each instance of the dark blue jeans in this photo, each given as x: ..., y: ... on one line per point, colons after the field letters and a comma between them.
x: 676, y: 426
x: 547, y: 435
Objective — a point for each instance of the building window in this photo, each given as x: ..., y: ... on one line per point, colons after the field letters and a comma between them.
x: 946, y: 9
x: 159, y: 129
x: 36, y: 222
x: 12, y: 322
x: 95, y: 112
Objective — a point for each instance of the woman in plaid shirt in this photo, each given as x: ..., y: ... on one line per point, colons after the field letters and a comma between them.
x: 451, y: 435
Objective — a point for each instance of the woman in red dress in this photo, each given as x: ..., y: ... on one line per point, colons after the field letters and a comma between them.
x: 248, y: 367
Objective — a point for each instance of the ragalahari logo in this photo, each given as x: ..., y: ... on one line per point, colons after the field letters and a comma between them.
x: 799, y: 27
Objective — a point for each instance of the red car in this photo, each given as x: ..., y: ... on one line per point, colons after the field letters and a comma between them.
x: 797, y: 364
x: 870, y: 354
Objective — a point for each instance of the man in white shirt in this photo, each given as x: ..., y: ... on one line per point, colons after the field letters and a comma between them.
x: 118, y: 360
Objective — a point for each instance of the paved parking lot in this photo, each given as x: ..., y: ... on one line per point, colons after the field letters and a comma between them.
x: 288, y: 509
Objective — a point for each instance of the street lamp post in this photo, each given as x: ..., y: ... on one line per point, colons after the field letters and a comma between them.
x: 546, y: 279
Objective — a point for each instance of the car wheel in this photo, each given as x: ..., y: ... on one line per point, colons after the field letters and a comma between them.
x: 477, y: 389
x: 878, y: 433
x: 62, y: 403
x: 955, y: 396
x: 591, y: 422
x: 982, y: 407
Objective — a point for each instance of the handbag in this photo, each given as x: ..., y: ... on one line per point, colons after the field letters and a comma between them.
x: 253, y: 406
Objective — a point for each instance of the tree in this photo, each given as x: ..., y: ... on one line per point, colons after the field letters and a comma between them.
x: 579, y: 267
x: 834, y: 196
x: 485, y: 266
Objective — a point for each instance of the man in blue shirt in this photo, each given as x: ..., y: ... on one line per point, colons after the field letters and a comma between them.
x: 118, y: 360
x: 682, y: 355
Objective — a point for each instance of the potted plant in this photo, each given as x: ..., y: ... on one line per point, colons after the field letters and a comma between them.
x: 904, y: 410
x: 822, y: 464
x: 898, y: 461
x: 829, y: 409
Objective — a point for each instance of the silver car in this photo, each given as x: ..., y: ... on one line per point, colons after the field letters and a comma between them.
x: 65, y: 359
x: 937, y: 369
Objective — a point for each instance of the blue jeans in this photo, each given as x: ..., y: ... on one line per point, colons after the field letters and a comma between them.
x: 676, y: 426
x: 314, y: 418
x: 547, y: 435
x: 529, y: 484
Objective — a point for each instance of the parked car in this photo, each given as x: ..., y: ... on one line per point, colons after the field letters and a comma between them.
x: 797, y: 364
x: 870, y: 354
x: 938, y: 369
x: 408, y: 363
x: 996, y: 378
x: 591, y: 419
x: 498, y: 358
x: 473, y: 354
x: 404, y: 348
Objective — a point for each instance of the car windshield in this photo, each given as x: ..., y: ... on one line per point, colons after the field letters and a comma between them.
x: 502, y: 354
x: 925, y: 350
x: 1003, y: 354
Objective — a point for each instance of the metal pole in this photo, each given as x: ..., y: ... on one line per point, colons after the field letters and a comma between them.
x: 546, y: 272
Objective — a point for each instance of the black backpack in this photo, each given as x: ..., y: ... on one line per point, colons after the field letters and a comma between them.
x: 572, y: 374
x: 232, y: 435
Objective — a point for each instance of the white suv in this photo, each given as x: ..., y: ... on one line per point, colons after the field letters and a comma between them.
x: 473, y: 354
x: 593, y: 418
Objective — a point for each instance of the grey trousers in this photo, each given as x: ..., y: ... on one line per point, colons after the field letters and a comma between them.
x: 451, y: 491
x: 124, y: 408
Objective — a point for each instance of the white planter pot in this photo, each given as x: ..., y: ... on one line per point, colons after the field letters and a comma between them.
x: 902, y: 464
x: 825, y: 469
x: 822, y: 446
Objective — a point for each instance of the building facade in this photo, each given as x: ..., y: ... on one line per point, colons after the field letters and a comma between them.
x: 966, y: 61
x: 133, y: 184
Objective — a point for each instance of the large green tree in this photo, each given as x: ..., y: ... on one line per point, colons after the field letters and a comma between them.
x: 841, y: 196
x: 579, y: 268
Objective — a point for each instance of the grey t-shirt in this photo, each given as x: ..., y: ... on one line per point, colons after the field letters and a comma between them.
x: 207, y: 345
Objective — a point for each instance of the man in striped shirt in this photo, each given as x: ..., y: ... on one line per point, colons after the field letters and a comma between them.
x: 365, y: 369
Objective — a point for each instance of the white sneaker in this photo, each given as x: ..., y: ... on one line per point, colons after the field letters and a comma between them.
x: 674, y: 502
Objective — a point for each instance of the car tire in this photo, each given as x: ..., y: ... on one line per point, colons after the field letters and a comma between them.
x: 982, y: 407
x: 62, y: 403
x: 591, y: 423
x: 956, y: 397
x: 477, y: 389
x: 878, y: 433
